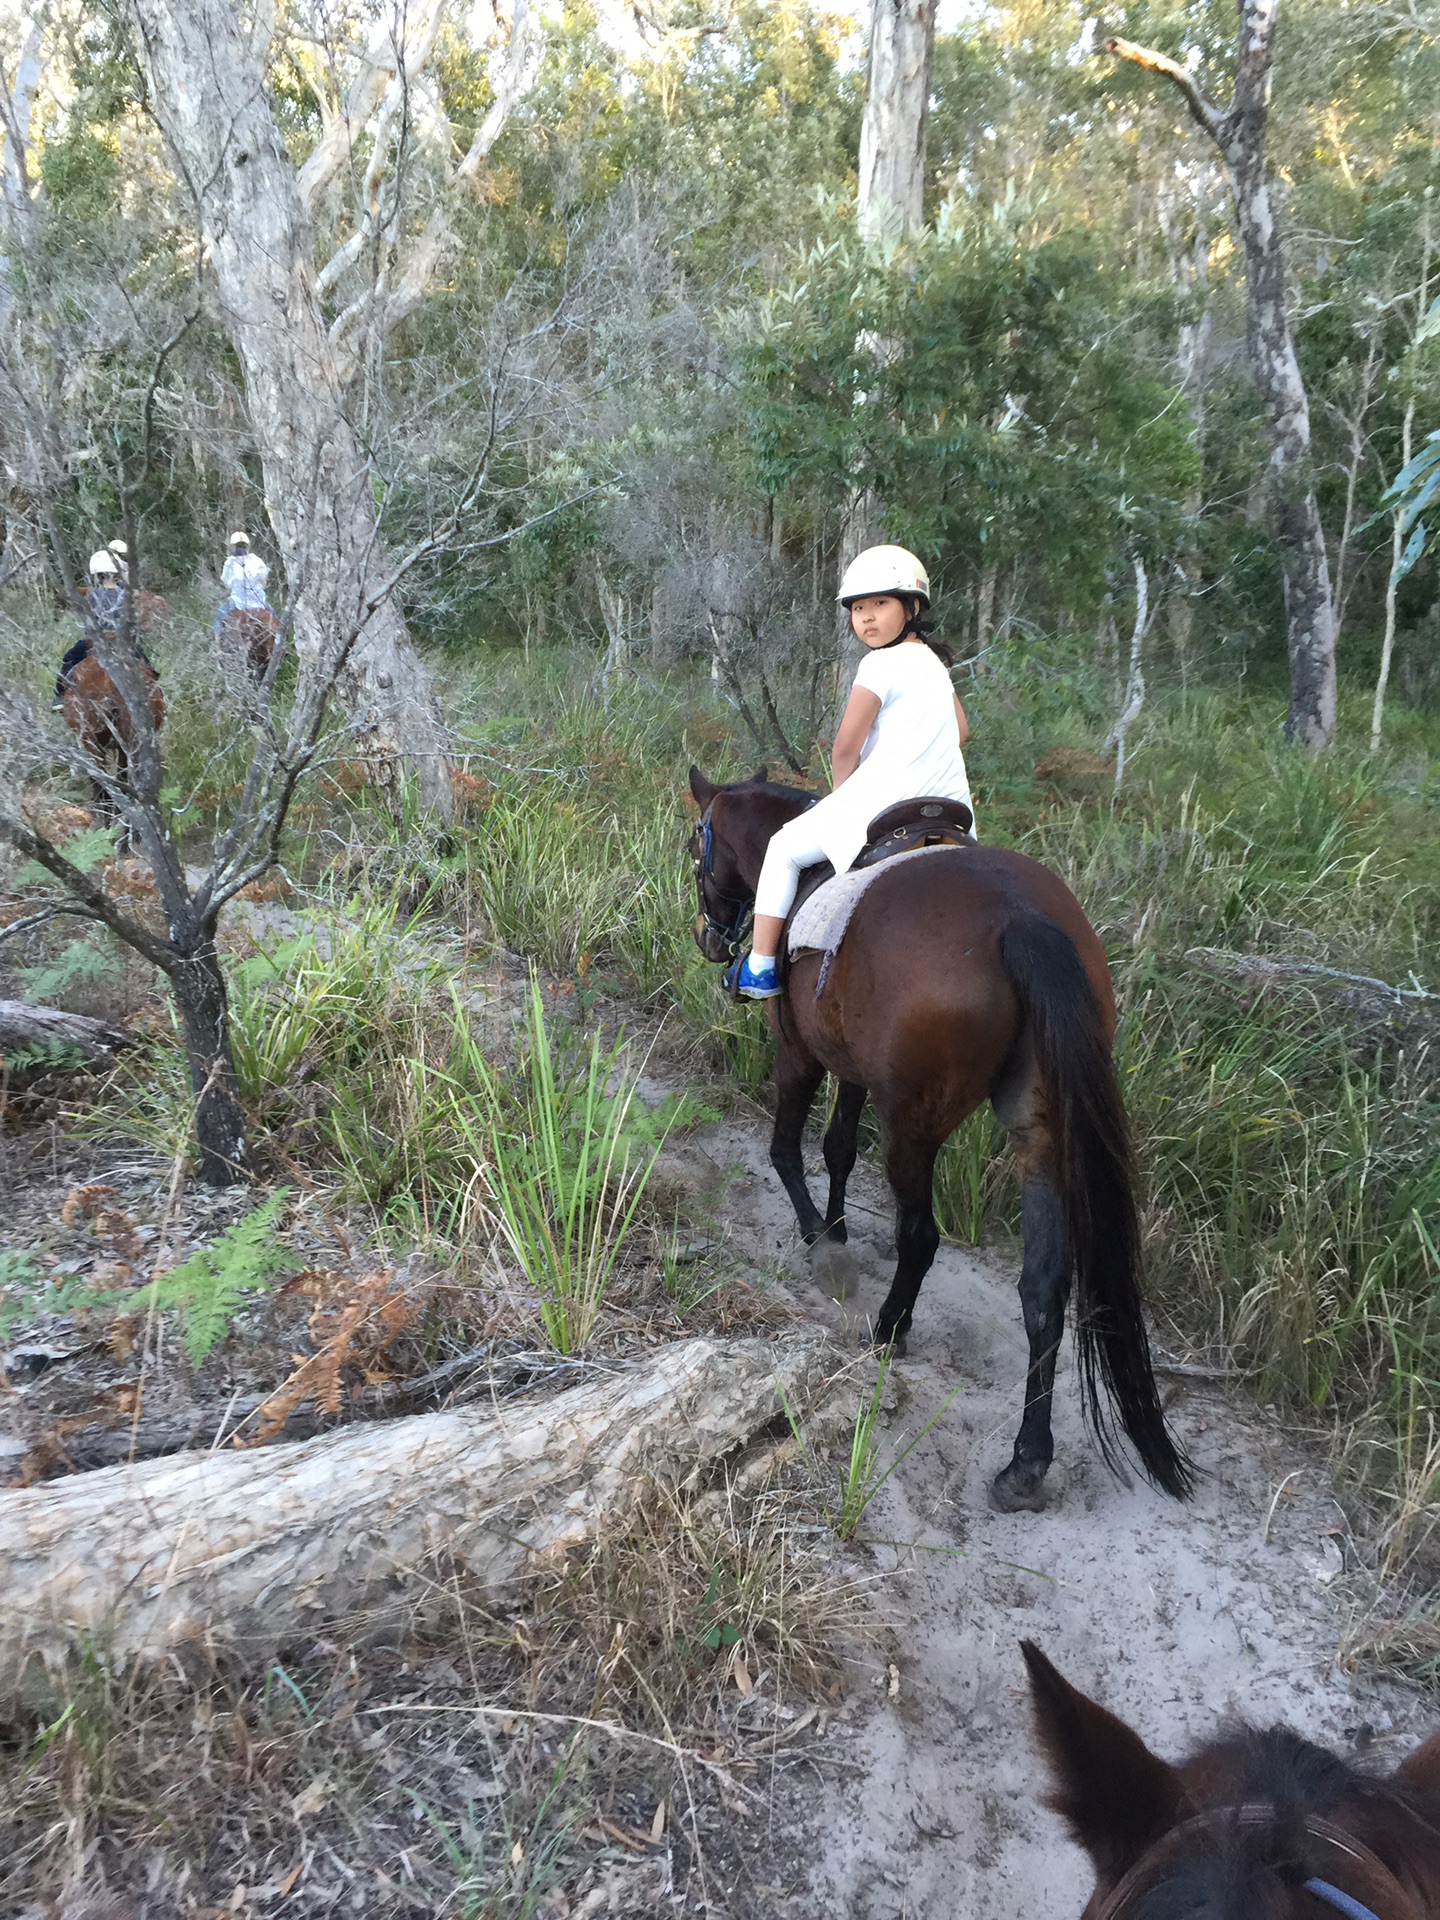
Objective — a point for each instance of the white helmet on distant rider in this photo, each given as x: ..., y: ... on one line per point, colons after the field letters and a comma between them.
x: 103, y: 565
x: 239, y: 540
x: 884, y: 570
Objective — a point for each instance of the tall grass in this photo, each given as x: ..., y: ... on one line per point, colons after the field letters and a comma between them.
x: 569, y: 1155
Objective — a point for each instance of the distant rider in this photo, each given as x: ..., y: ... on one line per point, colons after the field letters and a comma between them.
x: 243, y: 576
x: 121, y: 551
x: 104, y: 605
x: 900, y: 738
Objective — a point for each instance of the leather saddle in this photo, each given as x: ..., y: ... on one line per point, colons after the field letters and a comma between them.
x: 930, y: 821
x: 927, y: 822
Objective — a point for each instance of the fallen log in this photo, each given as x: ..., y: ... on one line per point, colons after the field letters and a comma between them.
x: 241, y: 1553
x: 40, y: 1040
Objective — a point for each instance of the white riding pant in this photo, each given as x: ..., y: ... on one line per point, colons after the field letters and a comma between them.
x: 792, y: 848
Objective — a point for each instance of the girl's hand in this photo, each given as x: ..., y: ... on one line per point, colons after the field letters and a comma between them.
x: 861, y: 712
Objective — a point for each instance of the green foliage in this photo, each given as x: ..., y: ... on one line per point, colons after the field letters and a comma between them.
x: 570, y: 1153
x: 82, y: 962
x: 88, y: 850
x: 208, y: 1290
x: 1006, y: 410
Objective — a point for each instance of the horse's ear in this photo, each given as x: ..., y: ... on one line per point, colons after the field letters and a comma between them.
x: 1422, y: 1767
x: 703, y: 789
x: 1116, y: 1796
x: 761, y: 774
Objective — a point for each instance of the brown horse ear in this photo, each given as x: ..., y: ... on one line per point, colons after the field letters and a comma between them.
x: 1116, y: 1796
x: 703, y: 789
x: 1422, y: 1767
x: 761, y: 774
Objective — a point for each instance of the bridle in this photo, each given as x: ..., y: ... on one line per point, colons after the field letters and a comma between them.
x: 730, y: 933
x: 1142, y: 1875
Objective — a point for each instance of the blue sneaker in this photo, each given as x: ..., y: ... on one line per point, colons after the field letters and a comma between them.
x: 757, y: 983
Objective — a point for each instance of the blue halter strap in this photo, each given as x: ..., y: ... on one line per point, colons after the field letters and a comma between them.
x: 1342, y: 1902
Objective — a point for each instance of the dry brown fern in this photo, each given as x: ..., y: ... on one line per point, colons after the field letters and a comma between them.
x: 352, y: 1326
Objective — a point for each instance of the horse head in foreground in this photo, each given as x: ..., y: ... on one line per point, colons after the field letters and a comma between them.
x: 1255, y: 1826
x: 966, y: 974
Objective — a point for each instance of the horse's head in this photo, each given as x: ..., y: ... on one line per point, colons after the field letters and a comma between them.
x: 1257, y: 1826
x: 727, y: 846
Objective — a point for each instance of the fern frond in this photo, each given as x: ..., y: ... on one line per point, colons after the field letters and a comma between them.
x: 209, y: 1288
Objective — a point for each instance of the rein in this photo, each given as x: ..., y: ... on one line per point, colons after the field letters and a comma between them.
x: 1260, y: 1814
x: 731, y: 933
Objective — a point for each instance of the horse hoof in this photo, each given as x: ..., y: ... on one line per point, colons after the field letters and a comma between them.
x: 1020, y: 1487
x: 897, y: 1345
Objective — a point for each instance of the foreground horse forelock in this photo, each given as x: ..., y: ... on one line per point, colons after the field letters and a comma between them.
x: 969, y: 974
x: 1259, y: 1825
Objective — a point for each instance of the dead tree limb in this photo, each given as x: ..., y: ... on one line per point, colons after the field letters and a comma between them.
x: 236, y: 1554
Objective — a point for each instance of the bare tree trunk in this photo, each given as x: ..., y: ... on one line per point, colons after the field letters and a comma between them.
x: 1240, y: 135
x: 203, y: 1005
x: 1392, y: 585
x: 890, y: 201
x: 985, y: 606
x: 1135, y: 684
x: 207, y: 88
x: 241, y: 1552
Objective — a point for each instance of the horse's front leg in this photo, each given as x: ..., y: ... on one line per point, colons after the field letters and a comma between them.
x: 797, y: 1075
x: 840, y: 1148
x: 1044, y: 1286
x: 910, y: 1163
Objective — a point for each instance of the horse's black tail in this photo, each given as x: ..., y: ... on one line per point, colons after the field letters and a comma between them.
x: 1094, y: 1175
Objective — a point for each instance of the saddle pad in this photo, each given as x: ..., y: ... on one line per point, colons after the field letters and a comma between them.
x: 819, y: 923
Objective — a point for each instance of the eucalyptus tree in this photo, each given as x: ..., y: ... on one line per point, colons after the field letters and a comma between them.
x: 1239, y: 133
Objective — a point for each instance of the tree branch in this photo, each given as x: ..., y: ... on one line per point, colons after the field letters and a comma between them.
x: 1206, y: 116
x: 36, y: 847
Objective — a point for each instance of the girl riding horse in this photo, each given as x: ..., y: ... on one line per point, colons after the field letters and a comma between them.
x: 901, y: 736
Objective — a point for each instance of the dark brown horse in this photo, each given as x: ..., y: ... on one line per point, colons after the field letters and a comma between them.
x: 252, y: 631
x: 97, y: 714
x: 970, y: 974
x: 1256, y: 1826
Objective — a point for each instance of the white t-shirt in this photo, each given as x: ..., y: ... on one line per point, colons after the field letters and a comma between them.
x: 913, y: 748
x: 244, y: 577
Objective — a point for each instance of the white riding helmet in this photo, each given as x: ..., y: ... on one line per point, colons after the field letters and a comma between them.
x: 120, y: 547
x: 884, y: 570
x: 103, y: 562
x: 239, y: 540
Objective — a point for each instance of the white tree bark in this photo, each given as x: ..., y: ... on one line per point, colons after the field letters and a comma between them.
x: 1392, y: 585
x: 207, y: 89
x: 890, y: 194
x: 890, y: 200
x: 239, y: 1552
x: 1135, y: 681
x: 1240, y: 135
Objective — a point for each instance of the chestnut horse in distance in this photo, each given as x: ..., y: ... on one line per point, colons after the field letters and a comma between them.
x: 969, y: 974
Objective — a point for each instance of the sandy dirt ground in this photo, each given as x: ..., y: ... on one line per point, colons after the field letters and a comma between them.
x: 1176, y: 1617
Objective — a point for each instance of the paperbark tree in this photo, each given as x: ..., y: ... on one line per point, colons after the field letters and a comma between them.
x: 890, y: 189
x: 206, y: 83
x: 890, y: 197
x: 1239, y: 132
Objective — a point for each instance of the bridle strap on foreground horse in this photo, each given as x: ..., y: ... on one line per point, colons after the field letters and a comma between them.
x: 966, y: 974
x: 1260, y: 1825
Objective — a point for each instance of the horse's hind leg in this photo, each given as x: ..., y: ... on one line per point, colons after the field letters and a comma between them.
x: 840, y: 1138
x: 797, y: 1076
x: 910, y: 1163
x: 1044, y: 1287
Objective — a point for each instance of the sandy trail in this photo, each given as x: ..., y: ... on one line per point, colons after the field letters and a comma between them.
x: 1174, y: 1616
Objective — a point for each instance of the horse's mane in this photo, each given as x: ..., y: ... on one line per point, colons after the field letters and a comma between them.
x: 770, y: 789
x: 1250, y: 1870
